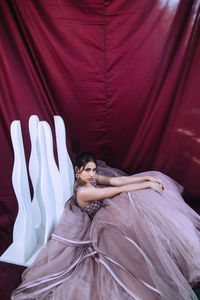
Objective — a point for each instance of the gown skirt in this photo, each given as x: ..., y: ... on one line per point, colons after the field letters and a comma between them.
x: 140, y: 245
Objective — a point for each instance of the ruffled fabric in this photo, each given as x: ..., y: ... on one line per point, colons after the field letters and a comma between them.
x: 140, y: 245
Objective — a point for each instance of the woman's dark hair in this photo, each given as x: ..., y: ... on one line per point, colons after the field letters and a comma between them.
x: 84, y: 158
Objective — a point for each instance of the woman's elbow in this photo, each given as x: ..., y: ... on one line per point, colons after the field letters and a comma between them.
x: 115, y: 181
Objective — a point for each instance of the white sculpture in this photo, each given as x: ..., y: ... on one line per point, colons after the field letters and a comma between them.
x: 44, y: 190
x: 64, y: 161
x: 34, y: 167
x: 24, y: 235
x: 51, y: 186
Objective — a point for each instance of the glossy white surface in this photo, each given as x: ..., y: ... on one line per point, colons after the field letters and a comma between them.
x: 52, y: 187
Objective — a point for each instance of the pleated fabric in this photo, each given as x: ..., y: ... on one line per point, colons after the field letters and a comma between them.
x: 140, y: 245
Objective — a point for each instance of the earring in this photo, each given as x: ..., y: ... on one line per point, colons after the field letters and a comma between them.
x: 77, y: 176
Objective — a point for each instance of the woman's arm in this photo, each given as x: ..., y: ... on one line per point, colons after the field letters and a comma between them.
x: 86, y: 193
x: 118, y: 181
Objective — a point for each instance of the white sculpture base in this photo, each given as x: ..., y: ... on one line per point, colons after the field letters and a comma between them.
x: 13, y: 255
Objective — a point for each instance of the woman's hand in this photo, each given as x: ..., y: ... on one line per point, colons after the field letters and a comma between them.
x: 153, y: 179
x: 157, y: 186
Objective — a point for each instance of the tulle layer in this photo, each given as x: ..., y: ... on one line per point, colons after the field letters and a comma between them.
x: 141, y: 246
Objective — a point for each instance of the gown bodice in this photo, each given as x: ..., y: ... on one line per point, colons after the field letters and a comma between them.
x: 92, y: 208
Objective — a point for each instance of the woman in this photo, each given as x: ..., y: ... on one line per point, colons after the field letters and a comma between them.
x: 120, y: 237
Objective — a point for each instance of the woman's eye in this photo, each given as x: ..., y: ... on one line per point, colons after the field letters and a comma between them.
x: 88, y: 170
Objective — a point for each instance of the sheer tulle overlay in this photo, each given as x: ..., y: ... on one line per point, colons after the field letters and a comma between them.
x: 140, y: 245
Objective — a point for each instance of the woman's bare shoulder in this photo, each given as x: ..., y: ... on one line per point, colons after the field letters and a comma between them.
x: 83, y: 189
x: 85, y: 194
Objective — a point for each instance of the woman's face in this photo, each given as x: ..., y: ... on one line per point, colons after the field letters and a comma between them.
x: 87, y: 173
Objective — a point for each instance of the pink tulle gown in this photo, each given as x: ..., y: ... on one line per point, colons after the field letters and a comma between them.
x: 139, y: 245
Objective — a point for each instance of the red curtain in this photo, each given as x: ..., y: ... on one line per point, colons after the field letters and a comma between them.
x: 123, y: 74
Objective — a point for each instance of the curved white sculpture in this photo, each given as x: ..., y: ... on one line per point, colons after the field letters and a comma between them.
x: 54, y: 173
x: 24, y: 235
x: 44, y: 191
x: 34, y: 167
x: 64, y: 161
x: 52, y: 187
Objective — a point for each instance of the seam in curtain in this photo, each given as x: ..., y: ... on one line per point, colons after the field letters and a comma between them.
x: 106, y: 95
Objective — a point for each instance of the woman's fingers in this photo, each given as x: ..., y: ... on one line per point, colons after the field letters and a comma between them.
x: 158, y: 187
x: 153, y: 179
x: 161, y: 185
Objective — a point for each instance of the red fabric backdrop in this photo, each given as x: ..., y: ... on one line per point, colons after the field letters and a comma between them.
x: 123, y: 74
